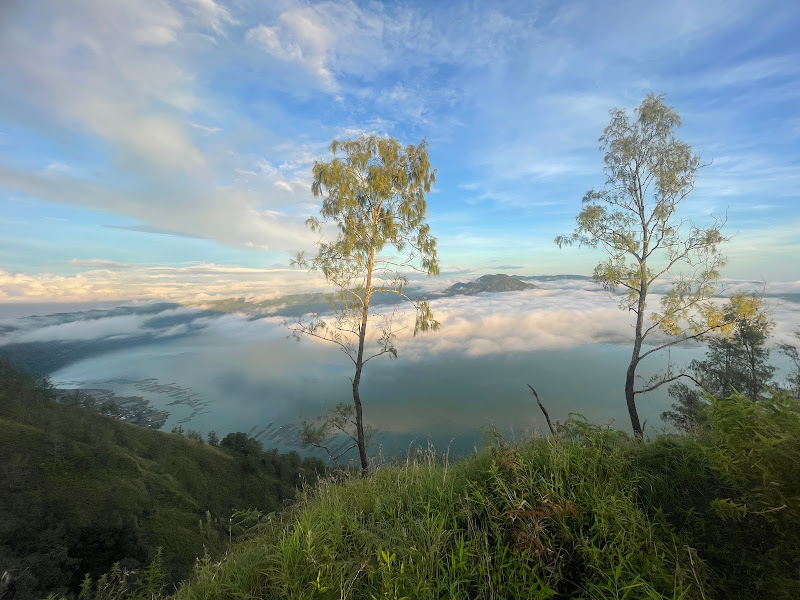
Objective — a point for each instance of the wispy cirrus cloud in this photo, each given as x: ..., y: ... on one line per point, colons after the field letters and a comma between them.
x: 211, y: 15
x: 101, y: 69
x: 323, y: 39
x: 232, y: 215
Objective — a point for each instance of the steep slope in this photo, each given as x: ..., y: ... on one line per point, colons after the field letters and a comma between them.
x: 81, y: 491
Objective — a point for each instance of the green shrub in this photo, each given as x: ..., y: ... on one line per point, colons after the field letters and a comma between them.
x: 81, y: 492
x: 754, y: 450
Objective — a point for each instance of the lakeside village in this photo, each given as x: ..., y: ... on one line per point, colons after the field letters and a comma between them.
x: 132, y: 409
x: 137, y: 410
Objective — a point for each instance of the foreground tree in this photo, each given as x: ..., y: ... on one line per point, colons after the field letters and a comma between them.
x: 649, y: 173
x: 745, y: 346
x: 793, y: 379
x: 374, y: 193
x: 736, y: 362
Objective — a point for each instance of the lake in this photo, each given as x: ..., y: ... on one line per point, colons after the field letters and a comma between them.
x: 252, y: 377
x: 230, y: 372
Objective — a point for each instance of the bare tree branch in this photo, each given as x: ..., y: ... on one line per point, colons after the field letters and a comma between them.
x: 666, y: 380
x: 543, y: 409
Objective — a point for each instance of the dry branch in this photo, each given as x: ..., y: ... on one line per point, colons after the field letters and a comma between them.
x: 544, y: 410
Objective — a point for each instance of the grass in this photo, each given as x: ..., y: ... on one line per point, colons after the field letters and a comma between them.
x: 589, y: 513
x: 552, y: 518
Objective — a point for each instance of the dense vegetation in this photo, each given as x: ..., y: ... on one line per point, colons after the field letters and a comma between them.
x: 81, y: 491
x: 587, y: 513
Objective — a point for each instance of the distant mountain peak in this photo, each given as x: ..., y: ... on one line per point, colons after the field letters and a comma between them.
x: 488, y: 283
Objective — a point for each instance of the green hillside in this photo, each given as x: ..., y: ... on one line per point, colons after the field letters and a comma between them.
x: 589, y: 513
x: 81, y: 491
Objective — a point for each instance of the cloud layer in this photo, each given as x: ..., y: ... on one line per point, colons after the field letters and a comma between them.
x: 107, y: 280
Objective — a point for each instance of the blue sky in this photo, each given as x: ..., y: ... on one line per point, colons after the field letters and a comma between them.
x: 163, y: 148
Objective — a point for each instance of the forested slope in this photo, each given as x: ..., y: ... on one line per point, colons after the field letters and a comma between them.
x: 80, y: 491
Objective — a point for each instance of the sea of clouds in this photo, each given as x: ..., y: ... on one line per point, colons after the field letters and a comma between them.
x: 555, y: 315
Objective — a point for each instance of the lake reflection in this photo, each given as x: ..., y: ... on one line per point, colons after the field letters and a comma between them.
x: 253, y: 378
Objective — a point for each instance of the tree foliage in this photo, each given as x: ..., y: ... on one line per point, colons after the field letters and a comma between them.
x: 736, y: 362
x: 373, y: 194
x: 793, y: 379
x: 635, y: 220
x: 756, y: 445
x: 738, y: 356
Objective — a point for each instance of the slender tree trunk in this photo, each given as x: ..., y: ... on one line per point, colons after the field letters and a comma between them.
x: 727, y: 386
x: 630, y: 396
x: 630, y: 376
x: 362, y: 445
x: 362, y: 334
x: 750, y: 351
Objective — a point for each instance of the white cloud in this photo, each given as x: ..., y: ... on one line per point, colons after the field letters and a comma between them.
x: 124, y: 76
x: 48, y: 329
x: 155, y: 35
x: 99, y: 263
x: 324, y: 39
x: 268, y: 38
x: 747, y: 174
x: 752, y: 71
x: 229, y: 214
x: 212, y: 15
x: 556, y: 315
x: 205, y: 128
x: 80, y: 330
x: 106, y: 281
x: 173, y: 331
x: 523, y: 321
x: 90, y: 72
